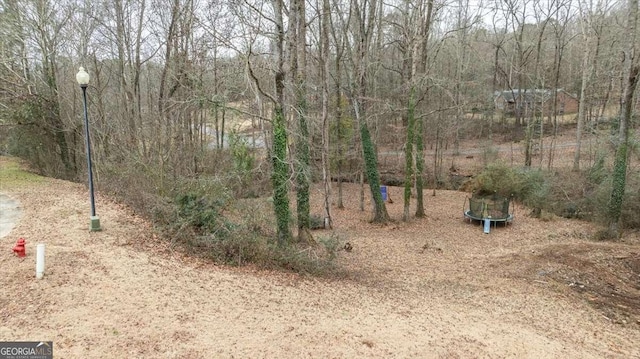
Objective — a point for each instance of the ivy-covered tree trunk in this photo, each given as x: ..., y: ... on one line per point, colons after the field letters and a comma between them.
x: 408, y: 153
x: 370, y: 160
x: 369, y: 154
x: 280, y: 176
x: 631, y: 70
x: 280, y: 171
x: 617, y: 192
x: 371, y: 171
x: 364, y: 24
x: 622, y: 154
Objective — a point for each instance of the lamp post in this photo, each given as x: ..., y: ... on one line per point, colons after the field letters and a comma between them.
x: 83, y: 80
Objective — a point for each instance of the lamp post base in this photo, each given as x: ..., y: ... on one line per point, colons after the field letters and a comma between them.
x: 94, y: 225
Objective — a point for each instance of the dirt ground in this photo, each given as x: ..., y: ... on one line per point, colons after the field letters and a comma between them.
x: 432, y: 288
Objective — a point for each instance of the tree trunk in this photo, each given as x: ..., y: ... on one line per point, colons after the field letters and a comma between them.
x: 371, y: 169
x: 418, y: 135
x: 418, y: 139
x: 631, y: 70
x: 324, y: 71
x: 297, y: 32
x: 408, y: 153
x: 339, y: 130
x: 586, y: 72
x: 280, y: 171
x: 365, y: 24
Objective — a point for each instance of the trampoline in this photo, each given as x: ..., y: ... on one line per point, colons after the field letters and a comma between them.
x: 494, y: 208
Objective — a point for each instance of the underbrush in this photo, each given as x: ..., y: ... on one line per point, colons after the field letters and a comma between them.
x: 222, y: 214
x: 240, y: 232
x: 581, y: 194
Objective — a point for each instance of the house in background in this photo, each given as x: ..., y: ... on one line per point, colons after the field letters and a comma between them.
x: 535, y: 101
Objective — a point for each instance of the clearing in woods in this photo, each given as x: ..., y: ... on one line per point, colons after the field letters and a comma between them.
x: 433, y: 288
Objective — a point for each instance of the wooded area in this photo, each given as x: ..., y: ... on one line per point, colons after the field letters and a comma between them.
x: 325, y: 86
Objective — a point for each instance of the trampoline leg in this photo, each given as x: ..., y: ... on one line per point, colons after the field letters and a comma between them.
x: 487, y: 226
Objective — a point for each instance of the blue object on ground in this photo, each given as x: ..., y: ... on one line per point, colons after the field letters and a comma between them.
x: 487, y: 225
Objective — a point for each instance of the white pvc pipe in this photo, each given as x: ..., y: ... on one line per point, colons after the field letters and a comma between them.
x: 40, y: 261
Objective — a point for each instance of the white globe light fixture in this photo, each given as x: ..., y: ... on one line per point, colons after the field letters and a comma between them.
x: 82, y: 77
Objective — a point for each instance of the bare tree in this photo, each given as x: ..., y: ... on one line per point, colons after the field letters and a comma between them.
x: 362, y: 32
x: 298, y: 58
x: 591, y: 31
x: 417, y: 32
x: 564, y: 15
x: 324, y: 62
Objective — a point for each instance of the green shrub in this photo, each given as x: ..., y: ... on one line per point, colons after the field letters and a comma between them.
x: 205, y: 214
x: 527, y: 185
